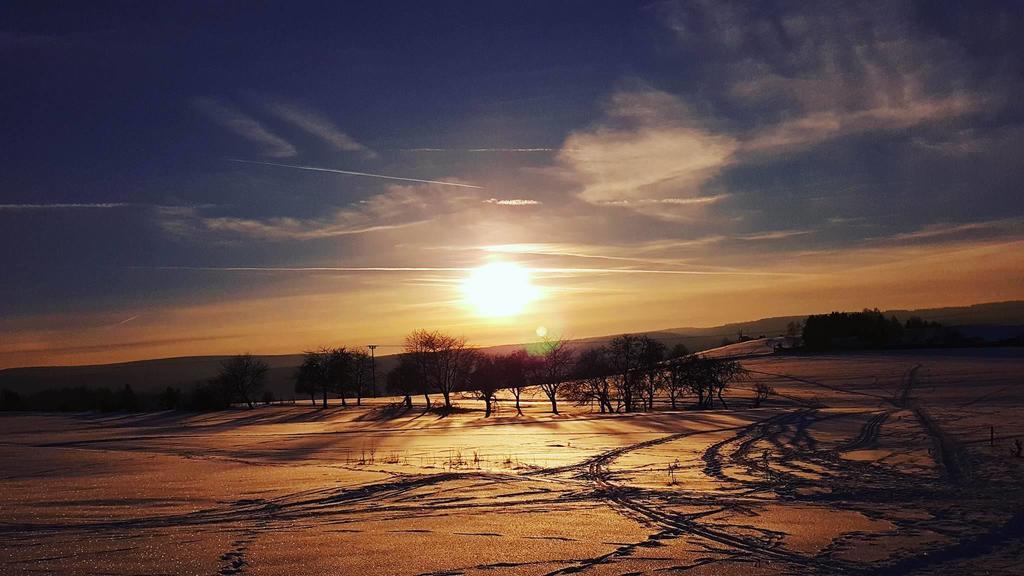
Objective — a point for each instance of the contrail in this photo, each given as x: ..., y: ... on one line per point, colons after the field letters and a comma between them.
x: 306, y: 268
x: 463, y: 269
x: 65, y: 206
x: 477, y: 150
x: 663, y: 271
x: 352, y: 173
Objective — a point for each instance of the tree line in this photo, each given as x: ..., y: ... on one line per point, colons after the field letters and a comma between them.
x: 341, y: 371
x: 626, y: 375
x: 871, y: 329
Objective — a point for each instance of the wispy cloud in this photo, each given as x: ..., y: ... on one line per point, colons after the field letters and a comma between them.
x: 353, y: 173
x: 947, y: 231
x: 398, y: 207
x: 512, y: 202
x: 318, y: 125
x: 820, y: 126
x: 820, y: 71
x: 479, y: 150
x: 133, y: 344
x: 650, y: 153
x: 773, y: 235
x: 245, y: 126
x: 694, y: 201
x: 463, y: 269
x: 127, y: 320
x: 553, y: 249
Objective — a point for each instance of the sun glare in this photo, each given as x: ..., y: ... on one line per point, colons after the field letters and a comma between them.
x: 499, y: 289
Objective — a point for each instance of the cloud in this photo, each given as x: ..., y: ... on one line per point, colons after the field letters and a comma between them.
x: 696, y: 201
x: 817, y: 127
x: 319, y: 126
x: 955, y: 232
x: 398, y: 207
x: 51, y: 350
x: 512, y: 202
x: 811, y: 72
x: 463, y: 269
x: 773, y: 235
x: 649, y: 152
x: 479, y: 150
x: 245, y: 126
x: 352, y: 173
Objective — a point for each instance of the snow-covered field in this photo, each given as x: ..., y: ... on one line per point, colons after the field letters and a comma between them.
x: 873, y: 463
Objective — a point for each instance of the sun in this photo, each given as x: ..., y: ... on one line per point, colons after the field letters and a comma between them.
x: 499, y: 289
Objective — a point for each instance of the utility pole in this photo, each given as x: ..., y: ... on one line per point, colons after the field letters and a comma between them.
x: 373, y: 370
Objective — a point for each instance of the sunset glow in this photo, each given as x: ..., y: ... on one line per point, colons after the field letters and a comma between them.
x: 590, y: 287
x: 499, y: 289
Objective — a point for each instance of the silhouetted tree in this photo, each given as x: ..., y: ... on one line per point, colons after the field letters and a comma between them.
x: 244, y: 375
x: 672, y: 377
x: 126, y: 399
x: 677, y: 351
x: 761, y: 393
x: 626, y: 357
x: 405, y: 379
x: 360, y: 373
x: 307, y: 376
x: 313, y: 376
x: 652, y: 353
x: 339, y: 371
x: 169, y: 399
x: 445, y: 360
x: 555, y: 364
x: 517, y: 368
x: 590, y: 379
x: 869, y: 328
x: 11, y: 400
x: 709, y: 377
x: 486, y: 380
x: 793, y: 329
x: 676, y: 381
x: 211, y: 395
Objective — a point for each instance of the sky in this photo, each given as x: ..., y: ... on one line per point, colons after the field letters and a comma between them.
x: 221, y: 177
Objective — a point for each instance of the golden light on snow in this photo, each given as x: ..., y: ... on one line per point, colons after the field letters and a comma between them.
x: 499, y: 289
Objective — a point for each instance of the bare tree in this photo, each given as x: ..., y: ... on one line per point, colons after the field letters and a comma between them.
x: 793, y: 329
x: 677, y: 351
x: 554, y: 367
x: 517, y: 368
x: 487, y: 378
x: 338, y: 365
x: 315, y: 374
x: 625, y: 357
x: 445, y: 361
x: 360, y: 373
x: 761, y: 393
x: 674, y: 380
x: 405, y: 379
x: 307, y: 376
x: 590, y: 379
x: 707, y: 378
x: 244, y: 376
x: 652, y: 353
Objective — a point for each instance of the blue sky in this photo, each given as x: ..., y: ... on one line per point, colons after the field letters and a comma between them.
x: 165, y: 183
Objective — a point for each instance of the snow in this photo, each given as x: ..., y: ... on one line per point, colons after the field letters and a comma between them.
x: 868, y: 462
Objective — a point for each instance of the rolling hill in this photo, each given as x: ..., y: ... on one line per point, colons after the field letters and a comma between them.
x: 155, y: 375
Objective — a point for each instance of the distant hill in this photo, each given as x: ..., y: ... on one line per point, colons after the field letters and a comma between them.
x: 155, y: 375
